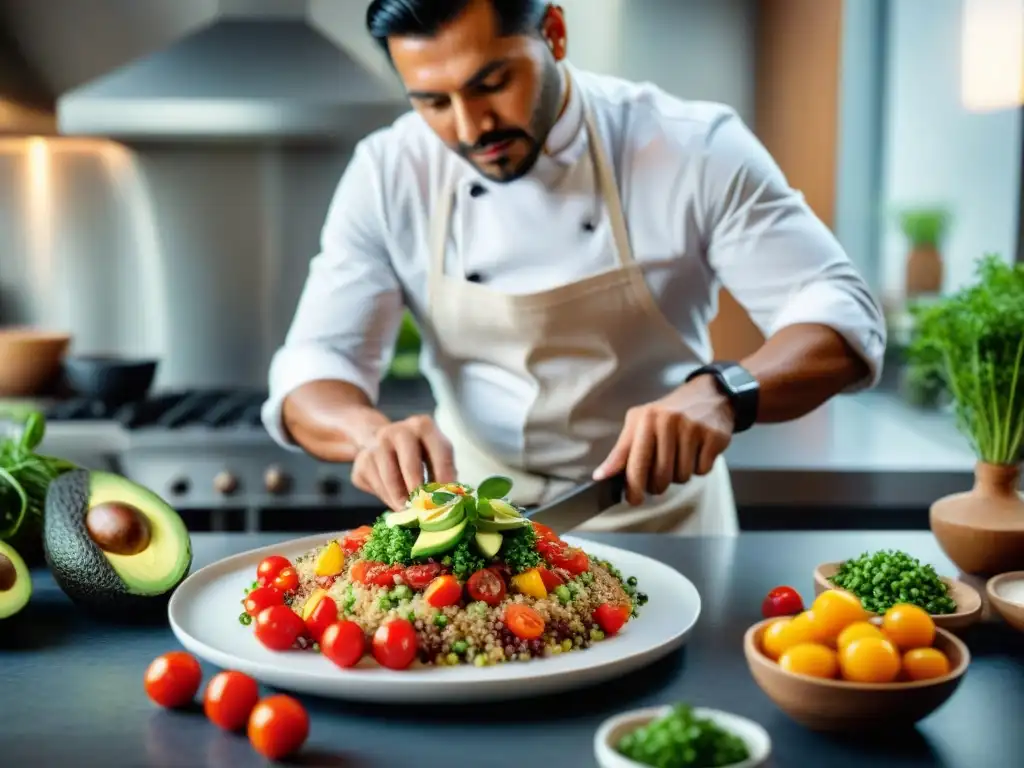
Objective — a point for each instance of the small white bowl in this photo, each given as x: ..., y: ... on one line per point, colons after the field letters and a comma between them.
x: 758, y: 742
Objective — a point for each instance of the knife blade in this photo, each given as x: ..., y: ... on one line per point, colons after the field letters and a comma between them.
x: 580, y: 504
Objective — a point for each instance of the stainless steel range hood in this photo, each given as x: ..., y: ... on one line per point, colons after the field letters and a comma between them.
x: 273, y: 77
x: 26, y: 108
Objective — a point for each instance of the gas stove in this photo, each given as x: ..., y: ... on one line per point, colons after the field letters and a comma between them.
x: 207, y: 450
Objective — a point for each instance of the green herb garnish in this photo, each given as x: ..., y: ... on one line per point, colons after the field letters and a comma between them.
x: 519, y: 549
x: 390, y: 545
x: 974, y: 341
x: 681, y: 739
x: 885, y: 578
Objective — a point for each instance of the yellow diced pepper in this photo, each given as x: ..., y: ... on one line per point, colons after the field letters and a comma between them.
x: 530, y: 583
x: 331, y: 560
x: 311, y: 602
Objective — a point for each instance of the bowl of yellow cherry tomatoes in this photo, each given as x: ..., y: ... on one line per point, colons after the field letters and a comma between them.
x: 836, y: 667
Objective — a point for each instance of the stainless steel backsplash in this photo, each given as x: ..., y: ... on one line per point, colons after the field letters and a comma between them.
x: 194, y: 254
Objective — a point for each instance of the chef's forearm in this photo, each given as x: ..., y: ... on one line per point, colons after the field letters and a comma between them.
x: 801, y: 367
x: 331, y: 419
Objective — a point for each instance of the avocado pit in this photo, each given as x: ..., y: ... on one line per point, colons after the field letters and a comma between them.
x: 8, y: 573
x: 118, y: 528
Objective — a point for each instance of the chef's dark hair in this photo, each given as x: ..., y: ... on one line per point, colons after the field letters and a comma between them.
x: 426, y: 17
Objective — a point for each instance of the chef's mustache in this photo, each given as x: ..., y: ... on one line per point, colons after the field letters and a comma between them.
x: 494, y: 137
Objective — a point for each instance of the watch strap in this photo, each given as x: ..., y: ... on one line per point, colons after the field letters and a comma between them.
x: 736, y: 383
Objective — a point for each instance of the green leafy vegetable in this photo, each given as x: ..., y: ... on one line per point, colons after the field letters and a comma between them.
x: 885, y: 578
x: 392, y: 546
x: 495, y: 487
x: 519, y: 549
x: 466, y: 560
x: 682, y: 739
x: 925, y: 227
x: 974, y: 339
x: 440, y: 498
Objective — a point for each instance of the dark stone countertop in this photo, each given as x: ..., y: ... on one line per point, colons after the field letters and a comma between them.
x: 71, y: 689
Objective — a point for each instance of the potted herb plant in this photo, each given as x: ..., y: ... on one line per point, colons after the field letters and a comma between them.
x: 974, y: 339
x: 924, y: 229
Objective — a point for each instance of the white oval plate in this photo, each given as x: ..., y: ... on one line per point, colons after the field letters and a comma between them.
x: 204, y: 612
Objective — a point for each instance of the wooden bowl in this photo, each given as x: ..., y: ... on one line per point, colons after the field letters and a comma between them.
x: 1012, y: 613
x: 29, y: 360
x: 838, y: 706
x: 968, y: 602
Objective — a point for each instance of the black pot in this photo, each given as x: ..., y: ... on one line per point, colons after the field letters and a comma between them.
x: 111, y: 380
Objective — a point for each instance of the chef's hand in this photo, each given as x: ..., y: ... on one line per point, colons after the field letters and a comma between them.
x: 390, y: 465
x: 671, y: 439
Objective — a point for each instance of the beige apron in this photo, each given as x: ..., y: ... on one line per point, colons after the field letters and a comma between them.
x: 578, y: 346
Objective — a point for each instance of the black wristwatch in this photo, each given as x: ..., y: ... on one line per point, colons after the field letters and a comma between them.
x: 735, y: 382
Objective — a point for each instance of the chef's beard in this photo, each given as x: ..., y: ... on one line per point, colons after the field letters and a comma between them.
x: 545, y: 115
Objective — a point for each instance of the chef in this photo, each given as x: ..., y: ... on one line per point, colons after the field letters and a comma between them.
x: 560, y: 237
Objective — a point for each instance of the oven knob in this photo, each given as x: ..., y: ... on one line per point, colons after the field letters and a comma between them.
x: 179, y: 486
x: 225, y: 483
x: 330, y: 486
x: 276, y: 480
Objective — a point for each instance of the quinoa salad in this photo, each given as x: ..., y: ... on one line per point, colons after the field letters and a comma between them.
x: 459, y: 576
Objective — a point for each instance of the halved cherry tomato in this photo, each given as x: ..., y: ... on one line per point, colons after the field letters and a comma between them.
x: 572, y: 559
x: 278, y: 627
x: 359, y: 569
x: 551, y: 579
x: 544, y: 533
x: 394, y: 644
x: 487, y: 586
x: 547, y: 547
x: 443, y: 591
x: 524, y: 622
x: 287, y: 580
x: 278, y: 726
x: 171, y: 680
x: 229, y: 699
x: 417, y: 577
x: 324, y: 614
x: 262, y: 597
x: 611, y: 618
x: 267, y: 570
x: 354, y: 541
x: 343, y: 643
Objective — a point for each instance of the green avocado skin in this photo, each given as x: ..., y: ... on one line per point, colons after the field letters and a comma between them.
x: 79, y: 566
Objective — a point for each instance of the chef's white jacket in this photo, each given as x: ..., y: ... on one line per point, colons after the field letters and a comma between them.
x: 705, y: 203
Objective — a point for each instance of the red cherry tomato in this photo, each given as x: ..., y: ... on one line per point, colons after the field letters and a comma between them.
x: 287, y: 580
x: 524, y: 622
x: 354, y: 541
x: 267, y: 570
x: 358, y: 571
x: 782, y: 601
x: 381, y: 575
x: 544, y: 533
x: 611, y: 618
x: 172, y: 680
x: 278, y: 726
x: 419, y: 576
x: 229, y: 699
x: 572, y: 559
x: 551, y: 579
x: 394, y: 644
x: 487, y: 586
x: 343, y: 643
x: 262, y: 597
x: 324, y: 614
x: 443, y: 591
x: 278, y: 627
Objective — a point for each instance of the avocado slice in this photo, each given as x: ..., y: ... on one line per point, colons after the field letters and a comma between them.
x: 407, y: 518
x: 488, y: 542
x: 443, y: 518
x: 112, y: 545
x: 502, y: 524
x: 15, y: 582
x: 502, y: 509
x: 435, y: 542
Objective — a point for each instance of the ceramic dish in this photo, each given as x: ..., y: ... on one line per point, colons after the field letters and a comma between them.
x: 1011, y: 611
x: 203, y: 614
x: 830, y: 705
x: 756, y: 738
x: 968, y: 600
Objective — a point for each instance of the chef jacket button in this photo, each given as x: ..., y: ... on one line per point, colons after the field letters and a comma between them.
x: 476, y: 190
x: 588, y: 226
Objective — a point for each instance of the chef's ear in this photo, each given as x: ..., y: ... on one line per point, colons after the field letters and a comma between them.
x: 554, y: 31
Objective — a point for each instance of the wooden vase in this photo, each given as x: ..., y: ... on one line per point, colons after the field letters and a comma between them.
x: 982, y: 530
x: 924, y: 270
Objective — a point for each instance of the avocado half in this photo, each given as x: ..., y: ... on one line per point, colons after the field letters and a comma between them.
x: 112, y: 545
x: 15, y: 582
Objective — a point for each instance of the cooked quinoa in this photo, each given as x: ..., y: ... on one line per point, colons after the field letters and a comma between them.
x: 573, y: 594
